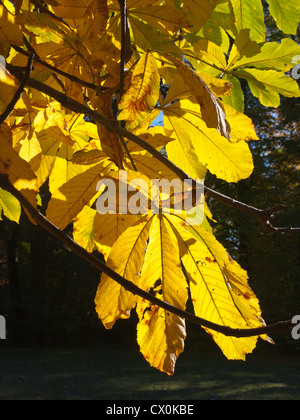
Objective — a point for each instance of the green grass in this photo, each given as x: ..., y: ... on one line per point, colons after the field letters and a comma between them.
x: 101, y: 374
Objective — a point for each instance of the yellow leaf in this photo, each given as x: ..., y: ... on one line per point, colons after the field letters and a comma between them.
x: 81, y: 49
x: 144, y: 164
x: 200, y: 11
x: 10, y: 32
x: 44, y: 27
x: 10, y: 206
x: 182, y: 153
x: 228, y: 161
x: 219, y: 87
x: 69, y: 9
x: 87, y: 157
x: 219, y: 287
x: 92, y: 15
x: 244, y: 12
x: 143, y: 122
x: 111, y: 145
x: 210, y: 53
x: 148, y: 38
x: 83, y: 229
x: 63, y: 170
x: 110, y: 141
x: 99, y: 232
x: 268, y: 85
x: 155, y: 136
x: 243, y: 48
x: 178, y: 90
x: 43, y: 163
x: 211, y: 107
x: 161, y: 334
x: 167, y: 19
x: 31, y: 150
x: 58, y: 137
x: 18, y: 170
x: 127, y: 254
x: 143, y: 92
x: 242, y: 127
x: 68, y: 200
x: 8, y: 86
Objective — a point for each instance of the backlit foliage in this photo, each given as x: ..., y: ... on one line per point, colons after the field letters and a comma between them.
x: 198, y: 51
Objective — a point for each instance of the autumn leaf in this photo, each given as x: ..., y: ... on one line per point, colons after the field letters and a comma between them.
x: 166, y: 19
x: 56, y: 139
x: 271, y: 56
x: 69, y: 9
x: 93, y: 13
x: 148, y: 38
x: 226, y: 160
x: 185, y: 157
x: 143, y: 92
x: 94, y: 231
x: 199, y: 13
x: 111, y: 143
x: 286, y: 15
x: 244, y: 12
x: 189, y: 61
x: 211, y: 108
x: 10, y: 32
x: 9, y: 206
x: 18, y: 170
x: 160, y: 334
x: 69, y: 200
x: 78, y: 49
x: 112, y: 300
x: 242, y: 127
x: 155, y: 136
x: 219, y: 287
x: 8, y: 87
x: 268, y: 85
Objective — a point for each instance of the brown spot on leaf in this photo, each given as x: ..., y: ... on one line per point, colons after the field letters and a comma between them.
x: 6, y: 165
x: 247, y: 296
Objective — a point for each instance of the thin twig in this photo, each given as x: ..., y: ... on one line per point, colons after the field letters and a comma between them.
x: 265, y: 216
x: 126, y: 50
x: 82, y: 253
x: 122, y: 4
x: 128, y: 153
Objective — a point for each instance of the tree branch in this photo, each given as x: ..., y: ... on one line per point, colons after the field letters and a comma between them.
x: 126, y: 50
x: 264, y: 216
x: 82, y: 253
x: 122, y: 4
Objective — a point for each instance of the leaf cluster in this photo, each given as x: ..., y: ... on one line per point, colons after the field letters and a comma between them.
x: 184, y: 60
